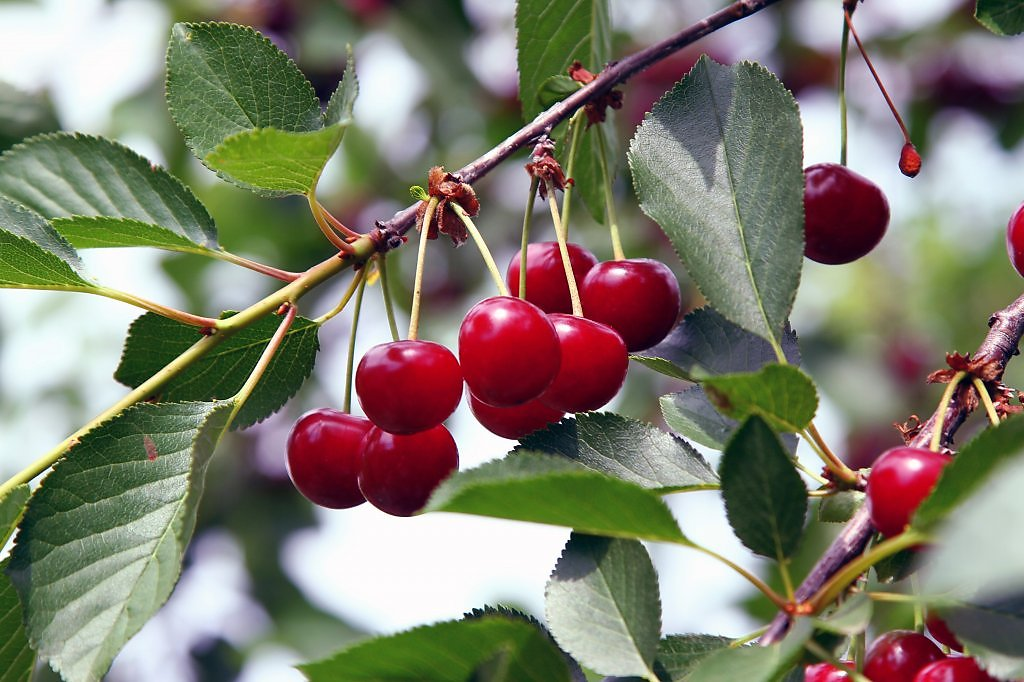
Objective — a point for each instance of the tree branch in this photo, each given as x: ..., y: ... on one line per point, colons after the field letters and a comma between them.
x: 1001, y: 343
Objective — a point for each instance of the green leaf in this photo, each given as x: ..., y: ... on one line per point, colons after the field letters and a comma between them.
x: 224, y: 79
x: 603, y: 606
x: 690, y: 414
x: 343, y: 99
x: 16, y: 656
x: 780, y: 394
x: 625, y: 448
x: 706, y: 344
x: 450, y: 651
x: 679, y: 654
x: 23, y: 114
x: 851, y: 617
x: 556, y: 88
x: 718, y: 164
x: 68, y: 174
x: 754, y: 663
x: 765, y: 498
x: 33, y: 255
x: 103, y: 538
x: 528, y: 486
x: 11, y: 508
x: 1002, y: 17
x: 97, y: 232
x: 153, y: 341
x: 997, y: 624
x: 839, y: 507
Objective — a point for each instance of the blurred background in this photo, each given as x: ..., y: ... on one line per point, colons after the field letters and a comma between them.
x: 270, y: 580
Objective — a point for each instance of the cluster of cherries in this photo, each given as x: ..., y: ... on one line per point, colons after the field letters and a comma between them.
x: 526, y: 362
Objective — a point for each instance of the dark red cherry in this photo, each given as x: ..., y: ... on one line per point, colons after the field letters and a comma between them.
x: 956, y: 669
x: 516, y: 421
x: 594, y: 364
x: 941, y: 633
x: 897, y: 655
x: 509, y: 351
x: 546, y: 285
x: 899, y: 481
x: 400, y: 472
x: 845, y: 214
x: 324, y: 455
x: 408, y: 386
x: 1015, y: 239
x: 825, y: 672
x: 639, y: 298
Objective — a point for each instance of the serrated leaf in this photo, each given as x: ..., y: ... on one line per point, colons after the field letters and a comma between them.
x: 765, y: 498
x: 556, y: 88
x: 754, y: 663
x: 450, y: 651
x: 1002, y: 17
x: 679, y: 654
x: 706, y: 344
x: 16, y: 656
x: 717, y: 163
x: 153, y: 341
x: 625, y: 448
x: 603, y: 605
x: 69, y: 174
x: 11, y: 507
x: 850, y: 618
x: 343, y: 99
x: 223, y: 79
x: 690, y: 414
x: 33, y: 255
x: 103, y: 538
x: 996, y: 624
x: 529, y: 486
x: 782, y: 395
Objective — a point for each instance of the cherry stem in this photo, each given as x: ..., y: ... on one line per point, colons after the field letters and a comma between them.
x: 947, y: 395
x: 421, y: 257
x: 356, y: 281
x: 609, y: 198
x: 986, y: 400
x: 844, y: 47
x: 746, y: 639
x: 158, y: 308
x: 485, y: 252
x: 874, y: 74
x: 290, y: 311
x: 227, y: 256
x: 824, y: 654
x: 325, y: 227
x: 575, y: 135
x: 350, y: 360
x: 834, y: 464
x: 561, y: 231
x: 385, y: 288
x: 527, y: 224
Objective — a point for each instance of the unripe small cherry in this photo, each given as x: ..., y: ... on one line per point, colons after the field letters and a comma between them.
x: 324, y: 456
x: 845, y: 214
x: 1015, y: 239
x: 400, y: 472
x: 594, y: 364
x: 898, y: 655
x: 638, y: 297
x: 900, y: 479
x: 514, y: 422
x: 546, y: 284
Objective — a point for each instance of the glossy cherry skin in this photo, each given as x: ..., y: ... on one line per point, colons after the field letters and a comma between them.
x: 516, y: 421
x: 408, y: 386
x: 957, y: 669
x: 900, y: 479
x: 824, y: 672
x: 845, y: 214
x: 1015, y: 239
x: 546, y: 284
x: 324, y: 455
x: 897, y: 655
x: 941, y: 633
x: 509, y: 351
x: 400, y: 472
x: 639, y: 298
x: 594, y: 364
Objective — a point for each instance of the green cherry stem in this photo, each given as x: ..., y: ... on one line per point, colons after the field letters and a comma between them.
x: 527, y: 224
x: 482, y: 246
x: 844, y: 48
x: 609, y: 199
x: 159, y: 309
x: 352, y: 288
x: 834, y: 464
x: 824, y: 654
x: 350, y: 359
x: 561, y: 231
x: 986, y: 400
x: 575, y: 135
x: 421, y: 257
x: 289, y: 312
x: 385, y: 288
x: 936, y: 442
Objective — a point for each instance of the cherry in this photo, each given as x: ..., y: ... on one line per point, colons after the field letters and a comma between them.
x: 324, y: 455
x: 639, y: 298
x: 899, y: 481
x: 516, y: 421
x: 941, y: 633
x: 594, y: 364
x: 408, y: 386
x: 1015, y: 239
x: 400, y: 472
x: 509, y: 351
x: 958, y: 669
x: 845, y: 214
x: 546, y: 285
x: 897, y: 655
x: 825, y: 672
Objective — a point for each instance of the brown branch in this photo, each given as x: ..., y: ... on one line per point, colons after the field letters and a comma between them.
x: 1001, y: 343
x: 613, y: 74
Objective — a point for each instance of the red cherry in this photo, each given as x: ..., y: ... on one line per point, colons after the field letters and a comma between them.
x: 958, y: 669
x: 514, y: 422
x: 899, y: 481
x: 324, y: 455
x: 594, y: 364
x: 509, y: 351
x: 639, y: 298
x: 546, y: 285
x: 824, y: 672
x: 845, y: 214
x: 408, y: 386
x: 941, y: 633
x: 1015, y: 239
x: 897, y: 655
x: 401, y: 471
